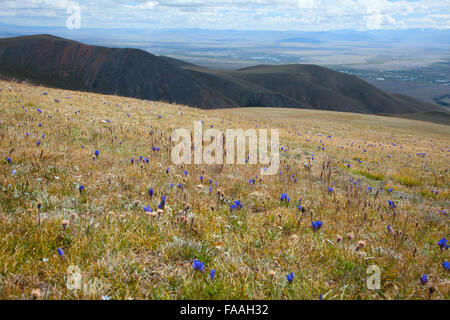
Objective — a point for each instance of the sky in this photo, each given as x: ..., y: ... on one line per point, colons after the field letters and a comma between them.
x: 300, y: 15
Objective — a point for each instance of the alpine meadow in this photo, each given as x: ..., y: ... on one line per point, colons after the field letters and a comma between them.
x: 224, y: 159
x: 88, y: 183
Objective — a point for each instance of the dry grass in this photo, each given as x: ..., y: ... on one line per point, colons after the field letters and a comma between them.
x: 124, y: 252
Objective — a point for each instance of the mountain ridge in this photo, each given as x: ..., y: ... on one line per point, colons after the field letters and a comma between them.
x: 68, y: 64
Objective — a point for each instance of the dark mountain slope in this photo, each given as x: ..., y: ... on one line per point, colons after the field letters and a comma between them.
x: 129, y: 72
x: 62, y: 63
x: 318, y: 88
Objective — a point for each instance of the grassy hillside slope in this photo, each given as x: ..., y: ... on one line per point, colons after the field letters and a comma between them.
x: 342, y: 168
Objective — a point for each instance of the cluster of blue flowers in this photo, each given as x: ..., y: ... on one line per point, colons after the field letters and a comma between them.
x: 197, y: 265
x: 290, y: 277
x: 443, y: 243
x: 284, y: 198
x: 316, y: 225
x: 162, y: 203
x: 236, y: 205
x: 424, y: 279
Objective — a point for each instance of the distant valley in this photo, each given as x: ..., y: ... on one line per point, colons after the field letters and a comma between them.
x: 68, y: 64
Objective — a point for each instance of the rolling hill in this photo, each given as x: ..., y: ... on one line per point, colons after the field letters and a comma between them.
x: 66, y: 64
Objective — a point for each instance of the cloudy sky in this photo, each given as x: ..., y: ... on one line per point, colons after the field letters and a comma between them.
x: 299, y: 15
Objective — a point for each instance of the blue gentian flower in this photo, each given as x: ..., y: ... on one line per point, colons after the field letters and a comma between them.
x: 38, y: 143
x: 236, y: 205
x: 443, y: 243
x: 424, y: 279
x: 162, y: 203
x: 150, y: 192
x: 197, y: 265
x: 446, y: 265
x: 8, y: 159
x: 213, y: 272
x: 60, y: 252
x: 81, y: 188
x: 284, y: 197
x: 290, y: 277
x: 97, y: 153
x: 316, y: 225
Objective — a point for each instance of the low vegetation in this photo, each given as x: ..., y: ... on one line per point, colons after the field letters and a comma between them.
x: 92, y: 207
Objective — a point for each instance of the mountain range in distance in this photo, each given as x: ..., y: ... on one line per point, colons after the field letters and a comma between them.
x: 67, y: 64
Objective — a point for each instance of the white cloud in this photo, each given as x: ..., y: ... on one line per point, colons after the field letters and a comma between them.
x: 377, y: 21
x: 236, y: 14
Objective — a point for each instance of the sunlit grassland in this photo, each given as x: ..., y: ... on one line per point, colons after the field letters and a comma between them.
x: 126, y: 253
